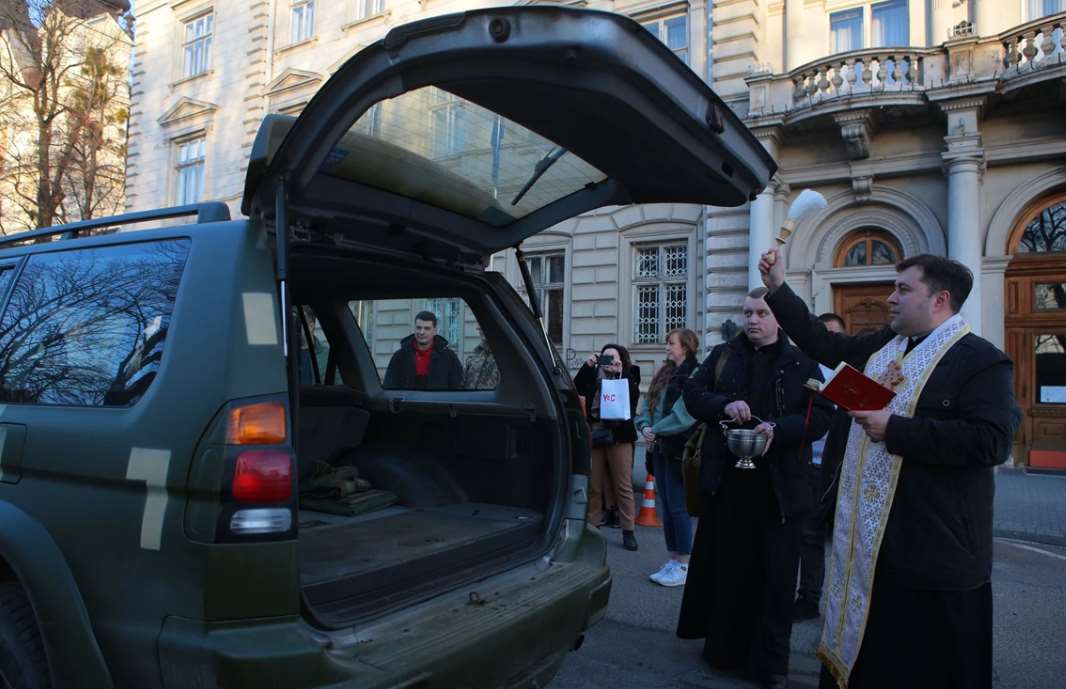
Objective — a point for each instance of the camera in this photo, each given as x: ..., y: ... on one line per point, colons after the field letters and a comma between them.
x: 605, y: 360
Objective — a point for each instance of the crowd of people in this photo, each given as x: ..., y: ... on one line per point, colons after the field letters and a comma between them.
x: 883, y: 517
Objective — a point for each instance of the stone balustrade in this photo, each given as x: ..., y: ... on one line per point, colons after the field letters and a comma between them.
x: 864, y: 72
x: 1035, y: 45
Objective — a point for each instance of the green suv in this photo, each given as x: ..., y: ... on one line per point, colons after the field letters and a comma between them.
x: 327, y: 445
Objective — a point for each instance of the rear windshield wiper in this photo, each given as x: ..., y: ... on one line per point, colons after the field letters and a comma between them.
x: 538, y: 170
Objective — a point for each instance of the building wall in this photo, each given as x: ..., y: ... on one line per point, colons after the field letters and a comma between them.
x: 945, y: 159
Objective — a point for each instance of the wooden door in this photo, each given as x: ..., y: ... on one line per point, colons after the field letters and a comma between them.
x: 863, y: 307
x: 1036, y: 341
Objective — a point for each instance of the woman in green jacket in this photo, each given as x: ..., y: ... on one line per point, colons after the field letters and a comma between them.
x: 665, y: 424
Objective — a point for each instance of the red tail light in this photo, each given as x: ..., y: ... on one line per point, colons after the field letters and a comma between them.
x: 263, y: 476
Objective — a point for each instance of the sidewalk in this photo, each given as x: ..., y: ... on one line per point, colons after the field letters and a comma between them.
x: 1030, y: 507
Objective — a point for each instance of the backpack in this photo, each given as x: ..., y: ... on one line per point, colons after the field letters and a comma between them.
x: 692, y: 456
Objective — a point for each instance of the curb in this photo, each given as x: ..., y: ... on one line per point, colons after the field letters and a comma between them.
x: 1043, y: 539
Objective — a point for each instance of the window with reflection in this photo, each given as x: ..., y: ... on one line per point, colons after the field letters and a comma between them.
x: 1049, y: 296
x: 88, y: 327
x: 868, y: 248
x: 1050, y: 356
x: 890, y: 25
x: 673, y: 31
x: 845, y: 30
x: 548, y: 272
x: 1046, y: 232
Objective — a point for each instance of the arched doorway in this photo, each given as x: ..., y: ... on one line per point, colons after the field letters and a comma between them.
x: 1035, y: 326
x: 862, y: 305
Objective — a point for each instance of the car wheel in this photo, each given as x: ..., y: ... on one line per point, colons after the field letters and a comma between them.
x: 22, y: 661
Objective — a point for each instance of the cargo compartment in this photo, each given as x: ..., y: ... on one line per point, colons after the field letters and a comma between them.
x: 407, y: 493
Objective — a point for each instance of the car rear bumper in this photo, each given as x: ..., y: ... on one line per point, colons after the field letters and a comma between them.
x: 510, y: 630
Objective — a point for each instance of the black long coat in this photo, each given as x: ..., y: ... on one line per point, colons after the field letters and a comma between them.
x: 790, y: 452
x: 939, y: 530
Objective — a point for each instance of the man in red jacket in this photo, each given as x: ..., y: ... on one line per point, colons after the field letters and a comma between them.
x: 424, y: 361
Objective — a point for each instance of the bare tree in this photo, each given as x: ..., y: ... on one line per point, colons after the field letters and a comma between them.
x: 58, y: 106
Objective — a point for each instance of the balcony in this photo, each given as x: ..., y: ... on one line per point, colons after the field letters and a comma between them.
x: 891, y: 71
x: 900, y: 77
x: 1034, y: 52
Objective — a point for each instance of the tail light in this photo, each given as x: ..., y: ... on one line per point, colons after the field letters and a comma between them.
x: 258, y: 423
x: 261, y: 496
x: 263, y: 477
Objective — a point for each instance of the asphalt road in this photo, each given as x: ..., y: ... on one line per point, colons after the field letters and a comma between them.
x: 634, y: 647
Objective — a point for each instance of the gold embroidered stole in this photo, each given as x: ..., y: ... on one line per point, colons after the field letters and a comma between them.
x: 867, y: 485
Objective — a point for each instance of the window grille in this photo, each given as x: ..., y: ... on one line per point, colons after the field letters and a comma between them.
x: 661, y: 291
x: 190, y: 171
x: 303, y: 20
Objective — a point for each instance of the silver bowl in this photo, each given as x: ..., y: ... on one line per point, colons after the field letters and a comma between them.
x: 744, y: 442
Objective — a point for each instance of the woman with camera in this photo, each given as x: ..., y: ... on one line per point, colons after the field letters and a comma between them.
x: 665, y: 424
x: 613, y: 433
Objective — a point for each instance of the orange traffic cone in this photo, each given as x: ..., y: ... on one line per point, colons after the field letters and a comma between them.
x: 647, y: 516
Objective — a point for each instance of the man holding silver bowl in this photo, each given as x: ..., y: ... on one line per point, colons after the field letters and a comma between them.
x: 756, y: 454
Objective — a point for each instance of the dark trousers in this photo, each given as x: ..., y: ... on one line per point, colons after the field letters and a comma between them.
x: 670, y: 488
x: 812, y: 543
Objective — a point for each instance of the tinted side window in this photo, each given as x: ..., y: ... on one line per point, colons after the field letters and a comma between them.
x: 87, y: 327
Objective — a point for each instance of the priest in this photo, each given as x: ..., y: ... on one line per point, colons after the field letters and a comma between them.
x: 907, y: 600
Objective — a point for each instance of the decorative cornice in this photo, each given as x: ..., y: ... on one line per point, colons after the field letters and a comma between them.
x: 977, y: 103
x: 185, y: 109
x: 292, y: 79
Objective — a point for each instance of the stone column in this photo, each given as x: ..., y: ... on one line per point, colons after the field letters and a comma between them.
x: 964, y: 224
x: 964, y: 165
x: 761, y: 232
x: 761, y: 228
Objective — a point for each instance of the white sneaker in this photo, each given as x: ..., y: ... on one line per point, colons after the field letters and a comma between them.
x: 663, y: 571
x: 677, y: 576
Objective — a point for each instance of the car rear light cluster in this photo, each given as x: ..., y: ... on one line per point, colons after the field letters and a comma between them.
x: 262, y: 485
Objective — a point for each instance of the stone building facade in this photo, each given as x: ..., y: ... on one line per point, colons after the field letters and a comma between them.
x: 929, y: 126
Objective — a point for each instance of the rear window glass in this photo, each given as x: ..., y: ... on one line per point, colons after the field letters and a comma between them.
x: 88, y: 327
x: 431, y: 343
x: 436, y: 147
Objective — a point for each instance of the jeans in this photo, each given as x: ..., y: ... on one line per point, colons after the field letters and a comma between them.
x: 670, y: 488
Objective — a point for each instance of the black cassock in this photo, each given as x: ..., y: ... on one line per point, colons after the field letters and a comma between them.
x: 742, y: 575
x: 930, y: 617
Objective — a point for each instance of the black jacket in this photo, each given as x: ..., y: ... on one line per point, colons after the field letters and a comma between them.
x: 939, y: 531
x: 781, y: 398
x: 445, y: 371
x: 587, y: 385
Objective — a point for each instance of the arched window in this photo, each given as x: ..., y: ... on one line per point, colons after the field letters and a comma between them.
x: 868, y: 248
x: 1046, y: 231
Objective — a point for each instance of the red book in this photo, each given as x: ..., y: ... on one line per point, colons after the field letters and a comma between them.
x: 852, y: 390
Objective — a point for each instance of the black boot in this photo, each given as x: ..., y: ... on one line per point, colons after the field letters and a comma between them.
x: 629, y: 540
